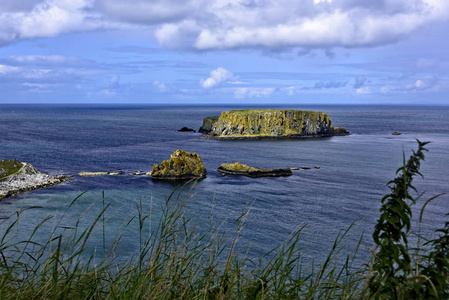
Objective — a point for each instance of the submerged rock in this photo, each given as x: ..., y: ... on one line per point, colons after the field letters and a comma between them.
x: 270, y: 123
x: 181, y: 166
x: 241, y: 169
x: 25, y: 179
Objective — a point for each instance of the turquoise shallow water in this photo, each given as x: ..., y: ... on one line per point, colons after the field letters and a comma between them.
x: 347, y: 188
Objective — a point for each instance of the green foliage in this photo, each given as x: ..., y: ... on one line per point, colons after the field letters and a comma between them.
x: 8, y: 167
x: 435, y: 280
x: 396, y: 274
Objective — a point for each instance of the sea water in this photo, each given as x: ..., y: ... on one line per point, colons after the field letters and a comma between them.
x: 346, y: 188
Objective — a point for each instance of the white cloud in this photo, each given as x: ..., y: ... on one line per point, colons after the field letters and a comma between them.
x: 49, y: 18
x: 419, y: 84
x: 160, y: 86
x: 217, y: 77
x: 291, y: 90
x: 363, y: 90
x: 293, y: 23
x: 253, y: 92
x: 5, y: 69
x: 228, y: 24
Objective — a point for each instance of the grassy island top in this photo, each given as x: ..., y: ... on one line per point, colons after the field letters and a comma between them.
x: 8, y: 167
x: 261, y: 111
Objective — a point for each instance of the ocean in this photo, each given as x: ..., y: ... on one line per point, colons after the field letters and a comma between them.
x: 346, y: 188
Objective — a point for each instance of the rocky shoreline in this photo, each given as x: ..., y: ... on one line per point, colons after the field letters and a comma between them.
x: 27, y: 179
x: 272, y: 137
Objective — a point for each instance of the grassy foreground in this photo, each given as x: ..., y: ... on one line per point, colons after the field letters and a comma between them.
x: 177, y: 262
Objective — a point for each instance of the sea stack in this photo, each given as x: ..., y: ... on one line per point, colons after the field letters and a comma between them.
x: 181, y: 166
x: 270, y: 123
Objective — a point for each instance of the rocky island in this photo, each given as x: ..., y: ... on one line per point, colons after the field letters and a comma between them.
x: 269, y: 123
x: 181, y: 166
x: 17, y: 177
x: 241, y: 169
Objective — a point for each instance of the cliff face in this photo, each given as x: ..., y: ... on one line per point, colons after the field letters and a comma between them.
x: 273, y: 123
x: 181, y: 165
x: 208, y: 123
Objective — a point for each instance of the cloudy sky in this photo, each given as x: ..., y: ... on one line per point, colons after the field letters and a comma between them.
x: 224, y: 51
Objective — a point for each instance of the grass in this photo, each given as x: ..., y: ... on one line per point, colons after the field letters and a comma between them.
x: 178, y: 261
x: 260, y: 111
x: 8, y: 167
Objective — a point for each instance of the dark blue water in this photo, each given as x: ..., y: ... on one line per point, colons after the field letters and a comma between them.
x: 347, y: 188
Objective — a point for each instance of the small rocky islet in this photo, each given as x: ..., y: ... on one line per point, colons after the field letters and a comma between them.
x: 269, y: 124
x: 16, y: 177
x: 182, y: 165
x: 245, y: 170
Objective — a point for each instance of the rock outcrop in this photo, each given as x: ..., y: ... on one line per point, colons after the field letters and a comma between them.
x: 270, y: 123
x: 241, y: 169
x: 26, y: 179
x: 181, y: 166
x: 186, y: 129
x: 208, y: 123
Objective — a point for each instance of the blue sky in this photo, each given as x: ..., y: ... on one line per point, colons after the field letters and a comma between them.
x: 224, y: 51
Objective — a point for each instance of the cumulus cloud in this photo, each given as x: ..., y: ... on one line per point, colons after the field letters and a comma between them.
x: 217, y: 77
x: 293, y: 23
x: 421, y: 85
x: 46, y: 18
x: 229, y: 24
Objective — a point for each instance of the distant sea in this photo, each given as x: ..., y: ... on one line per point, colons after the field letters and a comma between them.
x: 347, y: 187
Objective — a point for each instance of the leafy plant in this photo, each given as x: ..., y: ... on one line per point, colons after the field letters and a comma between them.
x: 395, y: 273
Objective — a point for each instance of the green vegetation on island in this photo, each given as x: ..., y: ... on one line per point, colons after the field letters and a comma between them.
x: 177, y: 261
x: 9, y: 167
x: 270, y: 123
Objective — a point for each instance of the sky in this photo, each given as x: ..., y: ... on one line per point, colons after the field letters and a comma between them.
x: 218, y: 52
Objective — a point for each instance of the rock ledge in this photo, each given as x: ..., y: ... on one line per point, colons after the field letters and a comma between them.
x: 241, y: 169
